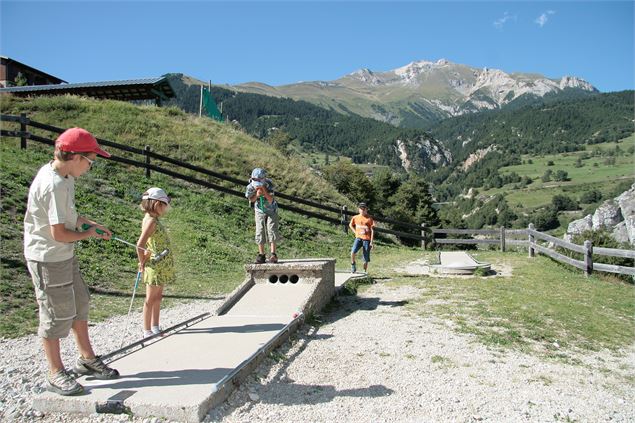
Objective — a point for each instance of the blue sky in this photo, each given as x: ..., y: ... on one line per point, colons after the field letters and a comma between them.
x: 286, y: 42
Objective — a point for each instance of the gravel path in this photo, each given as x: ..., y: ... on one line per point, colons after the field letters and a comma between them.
x: 372, y: 360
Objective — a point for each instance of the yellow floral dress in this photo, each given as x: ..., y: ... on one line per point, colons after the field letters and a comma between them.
x: 160, y: 273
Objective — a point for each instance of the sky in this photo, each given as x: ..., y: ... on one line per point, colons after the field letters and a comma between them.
x: 286, y: 42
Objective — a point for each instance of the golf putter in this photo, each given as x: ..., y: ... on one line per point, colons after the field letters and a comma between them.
x: 134, y: 291
x: 157, y: 257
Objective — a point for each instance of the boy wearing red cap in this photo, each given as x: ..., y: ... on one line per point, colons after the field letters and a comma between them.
x: 51, y: 227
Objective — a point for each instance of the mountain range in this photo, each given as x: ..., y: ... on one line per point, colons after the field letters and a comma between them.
x: 422, y: 93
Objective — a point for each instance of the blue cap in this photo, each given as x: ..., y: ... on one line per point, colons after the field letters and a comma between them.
x: 258, y: 173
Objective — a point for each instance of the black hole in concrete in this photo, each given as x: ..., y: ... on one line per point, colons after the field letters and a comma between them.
x: 273, y: 278
x: 294, y: 279
x: 284, y: 278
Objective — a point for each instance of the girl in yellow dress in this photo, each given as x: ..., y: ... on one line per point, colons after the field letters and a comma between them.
x: 154, y: 238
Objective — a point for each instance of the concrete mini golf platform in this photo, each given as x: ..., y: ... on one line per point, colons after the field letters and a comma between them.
x: 181, y: 376
x: 458, y: 263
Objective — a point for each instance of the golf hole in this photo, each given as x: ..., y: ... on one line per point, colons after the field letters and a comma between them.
x: 284, y: 278
x: 294, y: 279
x: 273, y: 278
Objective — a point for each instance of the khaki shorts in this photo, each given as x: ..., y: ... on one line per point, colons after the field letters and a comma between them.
x: 62, y: 296
x: 266, y: 225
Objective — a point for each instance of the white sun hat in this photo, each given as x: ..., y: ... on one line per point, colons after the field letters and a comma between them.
x: 155, y: 193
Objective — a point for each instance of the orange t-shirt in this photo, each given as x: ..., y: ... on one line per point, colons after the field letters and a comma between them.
x: 362, y: 226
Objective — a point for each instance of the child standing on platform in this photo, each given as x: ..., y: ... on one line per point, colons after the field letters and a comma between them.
x: 154, y: 238
x: 362, y: 226
x: 260, y: 192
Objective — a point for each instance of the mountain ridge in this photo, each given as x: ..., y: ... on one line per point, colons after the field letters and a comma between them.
x: 422, y: 92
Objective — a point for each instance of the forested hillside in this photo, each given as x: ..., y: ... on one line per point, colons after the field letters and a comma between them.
x: 316, y: 129
x: 546, y: 127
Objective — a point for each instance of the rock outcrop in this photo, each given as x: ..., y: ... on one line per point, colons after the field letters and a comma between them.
x: 616, y: 215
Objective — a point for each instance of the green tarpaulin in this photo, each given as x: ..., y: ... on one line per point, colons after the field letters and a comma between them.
x: 209, y: 105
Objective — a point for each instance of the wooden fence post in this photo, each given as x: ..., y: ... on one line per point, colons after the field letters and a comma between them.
x: 23, y: 129
x: 502, y: 240
x: 423, y: 236
x: 146, y: 150
x: 532, y: 252
x: 344, y: 221
x: 588, y: 258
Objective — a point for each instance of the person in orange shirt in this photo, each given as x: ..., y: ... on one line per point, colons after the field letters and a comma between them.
x: 362, y: 226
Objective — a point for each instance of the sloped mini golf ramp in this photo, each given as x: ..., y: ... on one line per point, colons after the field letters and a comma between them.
x: 181, y: 376
x: 458, y: 263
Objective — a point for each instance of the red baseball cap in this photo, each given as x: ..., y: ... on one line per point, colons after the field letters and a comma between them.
x: 78, y: 140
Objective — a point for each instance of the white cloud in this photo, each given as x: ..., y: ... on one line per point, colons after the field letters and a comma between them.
x: 500, y: 22
x: 542, y: 19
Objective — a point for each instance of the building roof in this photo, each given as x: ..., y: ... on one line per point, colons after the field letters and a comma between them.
x: 31, y: 68
x: 132, y: 89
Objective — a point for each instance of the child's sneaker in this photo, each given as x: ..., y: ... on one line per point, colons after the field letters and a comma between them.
x: 94, y: 367
x: 261, y: 258
x: 147, y: 333
x: 353, y: 268
x: 63, y: 383
x: 273, y: 258
x: 156, y: 330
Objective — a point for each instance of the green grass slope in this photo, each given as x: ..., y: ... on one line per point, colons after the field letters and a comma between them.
x: 595, y: 172
x: 212, y: 233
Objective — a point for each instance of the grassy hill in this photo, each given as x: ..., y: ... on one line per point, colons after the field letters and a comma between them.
x: 597, y: 172
x: 212, y: 233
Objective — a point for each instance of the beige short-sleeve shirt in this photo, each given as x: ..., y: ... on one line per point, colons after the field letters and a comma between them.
x: 51, y: 201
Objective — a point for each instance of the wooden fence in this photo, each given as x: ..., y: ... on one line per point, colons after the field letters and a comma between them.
x: 505, y: 237
x: 531, y: 240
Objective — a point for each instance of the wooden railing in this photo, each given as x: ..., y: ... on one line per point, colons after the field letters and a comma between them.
x: 503, y: 238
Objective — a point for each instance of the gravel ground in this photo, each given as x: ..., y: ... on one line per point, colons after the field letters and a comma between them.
x: 371, y: 360
x: 23, y: 366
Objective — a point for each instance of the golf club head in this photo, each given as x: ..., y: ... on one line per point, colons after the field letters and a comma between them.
x: 161, y: 255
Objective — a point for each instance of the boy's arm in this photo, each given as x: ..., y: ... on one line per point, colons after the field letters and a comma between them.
x: 251, y: 194
x: 372, y: 233
x: 84, y: 220
x: 60, y: 233
x: 352, y: 225
x: 265, y: 193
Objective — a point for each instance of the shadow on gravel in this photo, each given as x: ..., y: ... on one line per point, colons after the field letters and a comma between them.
x: 343, y: 306
x: 316, y: 394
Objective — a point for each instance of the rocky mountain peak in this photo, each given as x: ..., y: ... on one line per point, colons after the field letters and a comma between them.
x: 365, y: 75
x: 575, y: 82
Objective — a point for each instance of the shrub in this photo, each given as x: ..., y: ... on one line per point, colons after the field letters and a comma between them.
x: 561, y: 175
x: 563, y: 202
x: 545, y: 219
x: 589, y: 197
x: 546, y: 177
